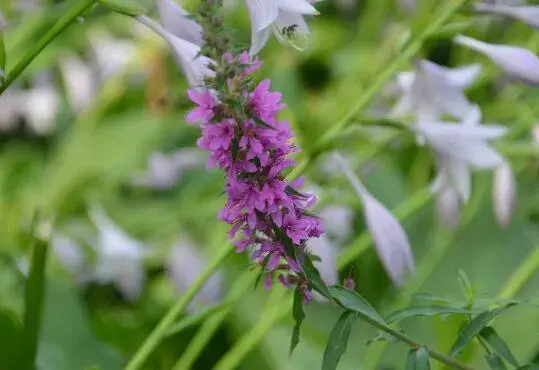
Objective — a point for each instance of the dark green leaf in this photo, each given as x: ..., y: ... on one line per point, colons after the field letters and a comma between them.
x: 495, y: 362
x: 474, y: 328
x: 2, y: 55
x: 498, y: 345
x: 262, y: 269
x: 299, y: 316
x: 10, y: 329
x: 338, y: 340
x: 314, y: 278
x: 291, y: 191
x: 128, y: 7
x: 422, y: 359
x: 260, y: 122
x: 451, y: 29
x: 528, y: 367
x: 413, y: 311
x: 192, y: 320
x: 353, y: 301
x: 411, y: 360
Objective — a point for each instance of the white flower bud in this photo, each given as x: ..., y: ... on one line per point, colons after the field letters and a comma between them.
x: 517, y: 62
x: 526, y: 14
x: 504, y: 193
x: 448, y: 205
x: 389, y: 237
x: 176, y: 20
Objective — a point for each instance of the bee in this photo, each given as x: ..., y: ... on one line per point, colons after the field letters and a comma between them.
x: 289, y: 31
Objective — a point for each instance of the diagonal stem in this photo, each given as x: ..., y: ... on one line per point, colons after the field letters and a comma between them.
x: 57, y: 29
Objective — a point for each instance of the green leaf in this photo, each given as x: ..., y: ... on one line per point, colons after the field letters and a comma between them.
x: 474, y: 328
x: 498, y: 345
x: 260, y: 122
x: 353, y: 301
x: 10, y: 329
x: 411, y: 360
x: 193, y: 320
x: 495, y: 362
x: 127, y: 7
x: 467, y: 286
x: 338, y: 340
x: 413, y: 311
x: 422, y: 359
x: 299, y: 315
x: 528, y: 367
x: 2, y: 55
x: 315, y: 280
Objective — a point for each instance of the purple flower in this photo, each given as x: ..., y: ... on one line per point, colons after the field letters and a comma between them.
x: 206, y: 103
x: 264, y: 102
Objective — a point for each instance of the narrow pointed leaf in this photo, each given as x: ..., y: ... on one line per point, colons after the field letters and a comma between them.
x: 315, y: 280
x: 474, y: 328
x: 467, y: 286
x: 422, y: 359
x: 495, y: 362
x: 338, y: 340
x: 128, y: 7
x: 299, y: 316
x: 353, y: 301
x: 528, y: 367
x: 414, y: 311
x: 411, y: 360
x: 193, y: 320
x: 498, y: 345
x: 10, y: 327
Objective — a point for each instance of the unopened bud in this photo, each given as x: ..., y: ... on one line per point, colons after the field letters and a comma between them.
x: 504, y: 194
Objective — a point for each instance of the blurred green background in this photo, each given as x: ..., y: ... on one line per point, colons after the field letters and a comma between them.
x: 64, y: 156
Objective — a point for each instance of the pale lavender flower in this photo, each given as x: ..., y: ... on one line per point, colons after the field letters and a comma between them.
x: 460, y: 148
x: 338, y: 221
x: 111, y: 55
x: 527, y: 14
x: 388, y: 236
x: 448, y: 206
x: 41, y: 105
x: 176, y: 20
x: 434, y: 90
x: 184, y: 265
x: 327, y: 251
x: 79, y: 82
x: 195, y: 67
x: 284, y: 17
x: 504, y: 194
x: 119, y: 256
x: 517, y: 62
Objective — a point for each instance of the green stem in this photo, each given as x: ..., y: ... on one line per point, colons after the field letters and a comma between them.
x: 33, y: 303
x: 521, y: 275
x: 60, y: 26
x: 160, y: 331
x: 450, y: 361
x: 382, y: 78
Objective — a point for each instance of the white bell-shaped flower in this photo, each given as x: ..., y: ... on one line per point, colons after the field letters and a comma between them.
x: 389, y: 237
x: 176, y: 20
x: 460, y: 148
x: 112, y: 55
x: 504, y: 194
x: 79, y: 82
x: 527, y: 14
x: 434, y: 90
x: 448, y: 206
x: 185, y: 263
x: 283, y: 17
x: 517, y: 62
x: 194, y: 66
x: 119, y: 256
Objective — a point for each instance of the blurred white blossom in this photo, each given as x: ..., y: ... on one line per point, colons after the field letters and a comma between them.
x: 112, y: 55
x: 41, y: 105
x: 327, y: 266
x: 338, y: 221
x: 460, y: 148
x: 504, y: 194
x: 194, y: 66
x: 184, y: 265
x: 119, y: 256
x: 527, y: 14
x: 165, y: 171
x: 388, y: 236
x: 79, y: 82
x: 434, y: 90
x: 517, y: 62
x: 448, y: 206
x: 176, y: 20
x: 283, y: 17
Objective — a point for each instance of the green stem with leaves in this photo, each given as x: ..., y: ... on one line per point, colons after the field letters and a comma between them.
x: 33, y: 300
x: 64, y: 22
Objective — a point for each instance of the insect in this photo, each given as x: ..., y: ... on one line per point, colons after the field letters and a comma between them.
x: 289, y: 31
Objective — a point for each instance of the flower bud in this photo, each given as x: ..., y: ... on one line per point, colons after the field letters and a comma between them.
x: 517, y: 62
x: 504, y: 194
x: 448, y: 205
x: 526, y: 14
